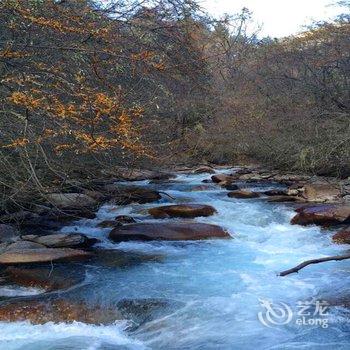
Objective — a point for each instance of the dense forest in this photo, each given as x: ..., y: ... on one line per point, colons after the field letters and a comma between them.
x: 86, y: 86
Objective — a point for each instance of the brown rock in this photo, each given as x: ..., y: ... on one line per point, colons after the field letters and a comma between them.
x: 61, y: 240
x: 221, y: 177
x: 28, y: 256
x: 243, y: 194
x: 24, y: 245
x: 39, y: 312
x: 200, y: 188
x: 136, y: 195
x: 326, y: 214
x: 342, y: 237
x: 44, y: 277
x: 109, y: 223
x: 124, y: 219
x: 277, y: 199
x: 182, y: 211
x: 275, y: 193
x: 321, y: 192
x: 167, y: 232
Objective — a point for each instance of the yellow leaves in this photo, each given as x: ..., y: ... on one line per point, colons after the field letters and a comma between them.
x: 8, y: 53
x: 22, y: 99
x: 20, y: 142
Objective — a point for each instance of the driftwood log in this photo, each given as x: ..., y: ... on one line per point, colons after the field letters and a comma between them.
x: 313, y: 261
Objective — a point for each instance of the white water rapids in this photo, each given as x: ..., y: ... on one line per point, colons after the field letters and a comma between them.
x: 216, y: 286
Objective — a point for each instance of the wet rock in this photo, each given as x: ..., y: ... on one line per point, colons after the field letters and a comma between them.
x: 277, y: 199
x: 71, y: 200
x: 28, y: 256
x: 39, y: 312
x: 62, y: 240
x: 121, y: 259
x: 8, y: 233
x: 46, y: 278
x: 182, y: 211
x: 109, y: 223
x: 124, y: 219
x: 136, y: 195
x: 321, y: 192
x: 342, y: 237
x: 96, y: 195
x: 290, y: 178
x: 231, y: 187
x: 326, y: 214
x: 204, y: 169
x: 145, y: 310
x: 167, y: 231
x: 221, y: 177
x: 275, y: 193
x: 243, y: 194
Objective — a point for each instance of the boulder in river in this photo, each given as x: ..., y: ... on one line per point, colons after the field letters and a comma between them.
x: 326, y: 214
x: 217, y: 178
x: 58, y: 310
x: 124, y: 219
x: 42, y: 255
x: 342, y: 237
x: 170, y: 231
x: 62, y: 240
x: 71, y: 200
x: 283, y: 198
x: 182, y: 211
x: 243, y: 194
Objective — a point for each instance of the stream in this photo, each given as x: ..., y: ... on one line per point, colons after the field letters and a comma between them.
x: 211, y: 291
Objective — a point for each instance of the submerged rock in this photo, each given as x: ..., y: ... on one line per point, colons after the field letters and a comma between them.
x: 342, y: 237
x: 39, y: 312
x: 28, y: 256
x: 124, y: 219
x: 46, y: 278
x: 108, y: 223
x: 243, y: 194
x: 167, y: 231
x: 62, y: 240
x: 182, y: 211
x: 326, y: 214
x: 275, y: 193
x: 121, y: 259
x: 204, y: 169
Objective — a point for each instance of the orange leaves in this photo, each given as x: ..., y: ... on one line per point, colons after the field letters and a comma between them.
x: 20, y: 142
x: 25, y: 100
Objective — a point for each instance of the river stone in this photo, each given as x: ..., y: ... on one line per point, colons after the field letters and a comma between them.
x: 326, y: 214
x: 275, y: 193
x: 61, y: 240
x: 283, y: 198
x: 342, y: 237
x: 109, y: 223
x: 46, y: 278
x: 243, y: 194
x: 8, y: 233
x: 71, y: 200
x: 217, y: 178
x: 182, y: 211
x: 321, y: 192
x: 167, y: 231
x: 136, y: 195
x: 43, y: 311
x: 28, y: 256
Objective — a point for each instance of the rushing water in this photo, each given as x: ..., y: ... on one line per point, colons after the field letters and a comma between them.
x: 214, y: 288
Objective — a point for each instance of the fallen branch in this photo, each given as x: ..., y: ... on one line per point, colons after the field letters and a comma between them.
x: 313, y: 261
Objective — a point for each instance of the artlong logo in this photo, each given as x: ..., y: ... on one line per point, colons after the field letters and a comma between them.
x: 274, y: 314
x: 310, y: 313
